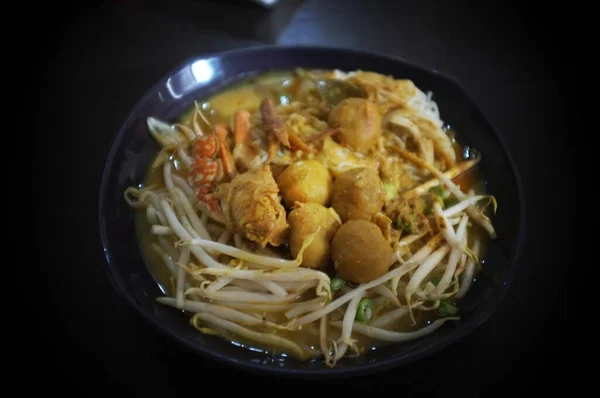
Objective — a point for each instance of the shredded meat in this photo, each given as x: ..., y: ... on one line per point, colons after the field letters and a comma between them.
x: 385, y: 225
x: 408, y: 215
x: 273, y: 124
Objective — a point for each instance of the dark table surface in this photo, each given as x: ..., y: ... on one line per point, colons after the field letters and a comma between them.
x: 102, y: 59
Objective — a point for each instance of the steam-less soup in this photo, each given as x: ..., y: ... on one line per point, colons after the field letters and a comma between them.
x: 313, y: 214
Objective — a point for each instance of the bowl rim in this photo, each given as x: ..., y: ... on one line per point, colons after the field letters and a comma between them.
x: 361, y: 369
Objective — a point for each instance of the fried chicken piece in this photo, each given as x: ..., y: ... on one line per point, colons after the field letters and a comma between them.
x: 253, y: 208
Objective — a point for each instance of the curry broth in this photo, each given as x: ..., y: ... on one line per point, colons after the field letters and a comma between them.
x: 220, y: 108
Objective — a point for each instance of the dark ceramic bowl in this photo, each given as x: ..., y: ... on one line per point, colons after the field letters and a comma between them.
x: 198, y: 78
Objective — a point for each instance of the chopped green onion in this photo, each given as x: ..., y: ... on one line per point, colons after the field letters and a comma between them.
x: 438, y: 190
x: 428, y: 209
x: 337, y: 283
x: 403, y: 225
x: 391, y: 190
x: 365, y: 310
x: 446, y: 309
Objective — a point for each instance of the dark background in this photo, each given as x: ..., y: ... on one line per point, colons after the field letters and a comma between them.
x: 98, y: 61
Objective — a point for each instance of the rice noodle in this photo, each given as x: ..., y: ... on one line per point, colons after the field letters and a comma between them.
x: 396, y: 118
x: 425, y: 106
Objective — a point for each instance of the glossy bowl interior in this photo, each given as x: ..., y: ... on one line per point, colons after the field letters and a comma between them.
x: 202, y: 76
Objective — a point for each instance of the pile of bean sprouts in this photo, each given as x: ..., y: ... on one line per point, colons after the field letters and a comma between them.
x: 239, y: 290
x: 229, y: 286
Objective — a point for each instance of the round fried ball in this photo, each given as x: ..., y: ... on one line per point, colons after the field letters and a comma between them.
x: 305, y: 181
x: 304, y: 220
x: 359, y: 121
x: 359, y: 252
x: 358, y: 194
